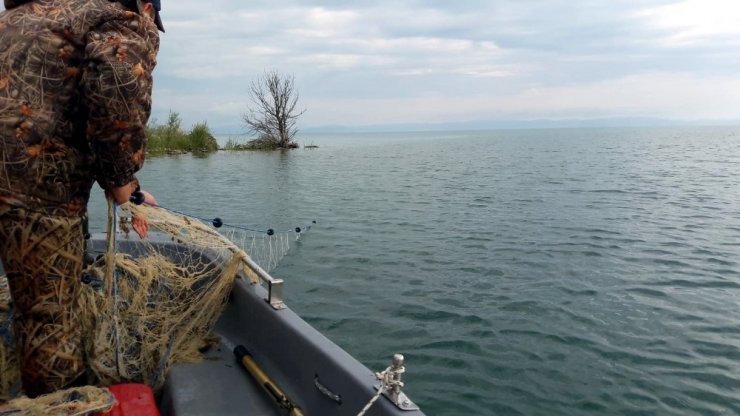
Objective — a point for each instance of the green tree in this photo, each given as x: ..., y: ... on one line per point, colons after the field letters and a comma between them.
x: 200, y: 139
x: 172, y: 132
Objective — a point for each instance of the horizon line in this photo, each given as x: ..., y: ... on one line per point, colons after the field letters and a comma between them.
x: 533, y: 124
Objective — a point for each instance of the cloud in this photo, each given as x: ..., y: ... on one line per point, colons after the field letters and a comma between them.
x: 321, y: 23
x: 368, y: 62
x: 695, y: 22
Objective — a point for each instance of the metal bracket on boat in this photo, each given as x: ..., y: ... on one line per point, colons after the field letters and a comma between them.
x: 274, y: 286
x: 275, y: 293
x: 390, y: 382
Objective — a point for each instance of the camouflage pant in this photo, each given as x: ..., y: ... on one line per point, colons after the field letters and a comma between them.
x: 42, y: 256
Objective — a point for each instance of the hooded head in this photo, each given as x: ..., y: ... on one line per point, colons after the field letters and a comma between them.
x: 157, y: 7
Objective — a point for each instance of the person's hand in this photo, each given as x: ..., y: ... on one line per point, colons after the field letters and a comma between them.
x: 149, y: 199
x: 121, y: 194
x: 140, y: 223
x: 141, y: 226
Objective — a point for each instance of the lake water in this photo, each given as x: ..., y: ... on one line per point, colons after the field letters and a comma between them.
x: 543, y: 272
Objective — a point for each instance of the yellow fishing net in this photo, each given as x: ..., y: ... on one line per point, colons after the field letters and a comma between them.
x: 148, y: 304
x: 79, y: 401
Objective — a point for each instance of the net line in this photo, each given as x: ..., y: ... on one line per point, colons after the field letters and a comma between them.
x: 267, y: 247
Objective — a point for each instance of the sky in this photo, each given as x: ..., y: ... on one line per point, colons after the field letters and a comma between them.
x: 377, y: 62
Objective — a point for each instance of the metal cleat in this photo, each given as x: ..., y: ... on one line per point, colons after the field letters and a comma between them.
x: 391, y: 383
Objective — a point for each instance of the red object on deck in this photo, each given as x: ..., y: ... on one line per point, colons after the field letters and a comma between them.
x: 133, y: 400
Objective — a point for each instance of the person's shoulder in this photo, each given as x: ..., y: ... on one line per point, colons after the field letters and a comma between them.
x: 103, y: 14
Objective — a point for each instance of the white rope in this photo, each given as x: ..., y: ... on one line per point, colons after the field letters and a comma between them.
x: 388, y: 380
x: 371, y: 402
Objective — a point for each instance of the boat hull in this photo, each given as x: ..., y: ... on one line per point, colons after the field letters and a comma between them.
x: 317, y: 375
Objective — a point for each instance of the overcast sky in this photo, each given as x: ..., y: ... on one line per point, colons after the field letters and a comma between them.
x: 369, y: 62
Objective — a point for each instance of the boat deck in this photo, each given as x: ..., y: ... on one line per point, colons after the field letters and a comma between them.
x: 217, y: 386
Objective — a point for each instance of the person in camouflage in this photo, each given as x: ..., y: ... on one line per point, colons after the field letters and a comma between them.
x: 75, y: 96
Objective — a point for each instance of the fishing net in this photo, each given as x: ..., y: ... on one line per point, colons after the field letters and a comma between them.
x: 78, y: 401
x: 148, y: 304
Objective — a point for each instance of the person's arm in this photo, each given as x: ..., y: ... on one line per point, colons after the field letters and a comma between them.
x: 120, y: 56
x: 117, y: 83
x: 122, y: 194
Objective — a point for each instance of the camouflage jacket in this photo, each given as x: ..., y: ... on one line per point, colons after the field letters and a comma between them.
x: 75, y: 96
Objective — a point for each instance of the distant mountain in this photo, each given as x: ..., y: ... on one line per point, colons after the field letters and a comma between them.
x: 239, y: 131
x: 521, y: 124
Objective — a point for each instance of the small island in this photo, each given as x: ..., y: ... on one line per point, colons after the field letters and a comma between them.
x: 272, y: 118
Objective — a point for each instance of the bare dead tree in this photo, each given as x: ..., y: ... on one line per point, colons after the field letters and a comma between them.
x: 273, y: 114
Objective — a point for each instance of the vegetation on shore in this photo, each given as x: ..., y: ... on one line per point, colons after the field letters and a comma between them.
x: 170, y: 138
x: 265, y: 143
